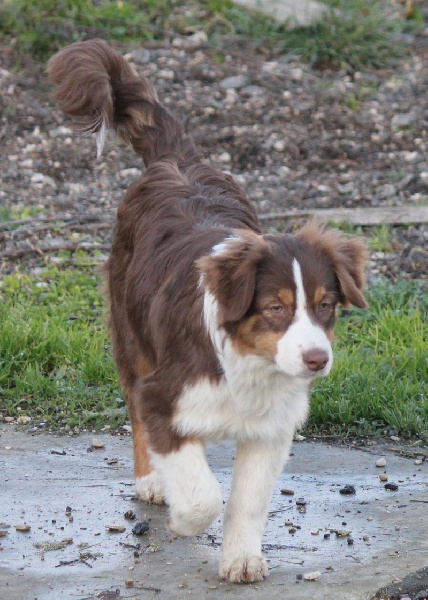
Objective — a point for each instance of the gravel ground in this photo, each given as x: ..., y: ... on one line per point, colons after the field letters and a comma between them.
x: 294, y: 138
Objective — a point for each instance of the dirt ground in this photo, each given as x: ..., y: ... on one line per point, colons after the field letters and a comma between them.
x: 294, y: 138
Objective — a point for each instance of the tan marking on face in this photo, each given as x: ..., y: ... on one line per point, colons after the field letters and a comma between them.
x: 267, y: 344
x: 319, y: 294
x: 330, y: 334
x: 262, y: 344
x: 244, y: 340
x: 286, y: 296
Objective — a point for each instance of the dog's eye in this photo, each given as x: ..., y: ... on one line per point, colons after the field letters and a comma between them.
x: 277, y: 308
x: 324, y: 306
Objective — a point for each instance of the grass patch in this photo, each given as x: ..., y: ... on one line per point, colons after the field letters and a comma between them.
x: 56, y: 364
x: 14, y: 214
x: 379, y: 379
x: 352, y: 33
x: 380, y: 239
x: 55, y: 358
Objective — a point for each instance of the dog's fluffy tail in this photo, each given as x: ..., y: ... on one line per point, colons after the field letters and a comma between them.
x: 101, y: 90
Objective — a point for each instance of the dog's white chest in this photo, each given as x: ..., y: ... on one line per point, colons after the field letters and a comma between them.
x: 268, y: 408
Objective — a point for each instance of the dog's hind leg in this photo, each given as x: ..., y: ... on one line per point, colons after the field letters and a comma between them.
x: 147, y: 482
x: 132, y: 366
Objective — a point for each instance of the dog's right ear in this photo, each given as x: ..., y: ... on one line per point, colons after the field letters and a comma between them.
x: 229, y: 273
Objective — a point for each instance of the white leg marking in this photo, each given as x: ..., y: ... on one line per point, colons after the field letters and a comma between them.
x: 191, y: 490
x: 149, y: 488
x: 258, y: 465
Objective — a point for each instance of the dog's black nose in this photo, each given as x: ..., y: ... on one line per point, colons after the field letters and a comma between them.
x: 316, y: 359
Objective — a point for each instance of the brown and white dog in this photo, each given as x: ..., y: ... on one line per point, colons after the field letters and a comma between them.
x: 218, y: 330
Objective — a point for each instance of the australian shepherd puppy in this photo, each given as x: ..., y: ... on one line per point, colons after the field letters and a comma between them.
x: 218, y: 330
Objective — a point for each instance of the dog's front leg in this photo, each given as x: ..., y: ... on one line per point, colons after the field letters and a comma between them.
x: 192, y: 492
x: 258, y: 465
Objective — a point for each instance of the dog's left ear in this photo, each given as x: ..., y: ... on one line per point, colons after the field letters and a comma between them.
x: 348, y: 254
x: 229, y: 273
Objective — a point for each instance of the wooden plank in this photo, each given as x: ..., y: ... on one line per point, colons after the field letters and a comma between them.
x: 394, y: 215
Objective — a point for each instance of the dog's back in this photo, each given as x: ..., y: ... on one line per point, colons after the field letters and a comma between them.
x: 171, y: 216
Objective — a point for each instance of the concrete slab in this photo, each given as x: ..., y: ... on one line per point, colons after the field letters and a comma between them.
x: 297, y: 12
x: 36, y: 487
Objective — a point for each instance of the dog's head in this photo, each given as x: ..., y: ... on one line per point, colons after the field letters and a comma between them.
x: 276, y: 296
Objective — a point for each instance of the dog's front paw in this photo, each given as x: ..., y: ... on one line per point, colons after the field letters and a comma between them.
x: 150, y: 489
x: 244, y: 569
x: 192, y: 515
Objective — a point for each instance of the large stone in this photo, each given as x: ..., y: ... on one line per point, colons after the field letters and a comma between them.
x: 297, y: 12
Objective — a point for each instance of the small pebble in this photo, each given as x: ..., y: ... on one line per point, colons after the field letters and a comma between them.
x: 365, y: 538
x: 391, y: 487
x: 313, y: 576
x: 350, y: 541
x: 342, y: 533
x: 129, y: 582
x: 130, y: 515
x: 418, y: 461
x: 24, y: 419
x: 140, y: 528
x: 292, y: 530
x: 286, y: 492
x: 347, y: 490
x: 116, y: 528
x: 383, y: 477
x: 326, y: 536
x: 97, y: 443
x: 23, y: 528
x: 301, y: 502
x: 381, y: 462
x: 394, y: 438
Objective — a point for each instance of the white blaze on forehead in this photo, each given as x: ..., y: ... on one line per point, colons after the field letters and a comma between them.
x: 300, y: 291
